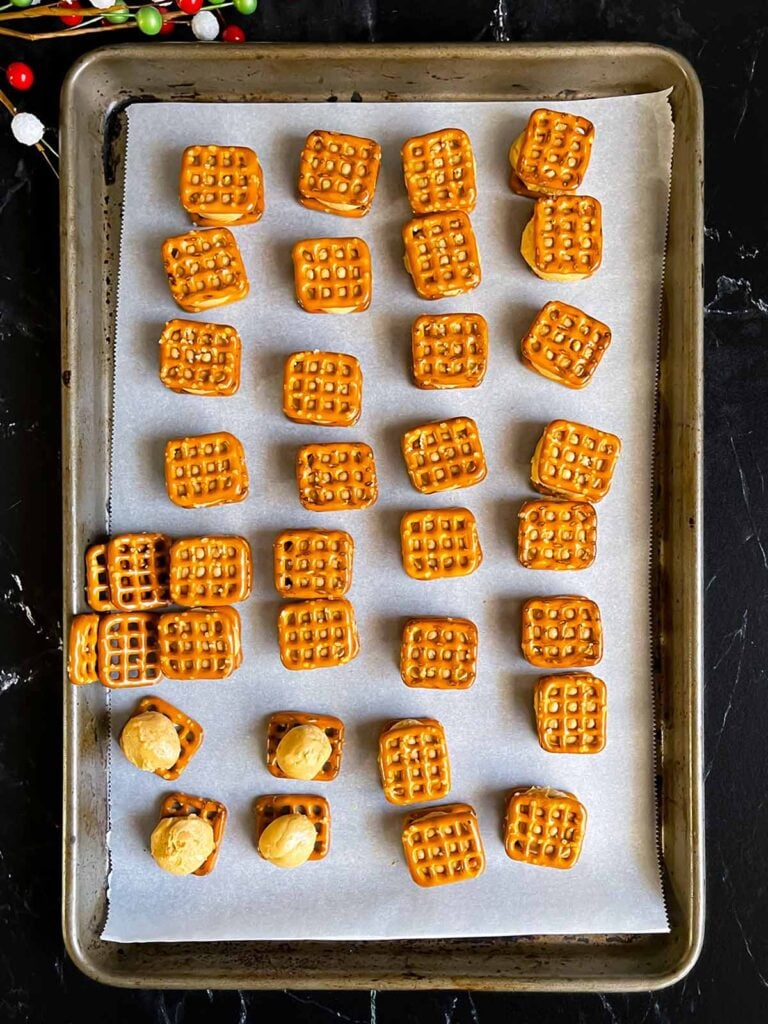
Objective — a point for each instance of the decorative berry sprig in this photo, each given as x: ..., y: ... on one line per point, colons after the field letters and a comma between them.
x: 151, y: 19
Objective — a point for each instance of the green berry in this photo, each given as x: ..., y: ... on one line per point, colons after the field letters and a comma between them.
x: 246, y: 6
x: 21, y: 3
x: 149, y: 20
x: 119, y: 17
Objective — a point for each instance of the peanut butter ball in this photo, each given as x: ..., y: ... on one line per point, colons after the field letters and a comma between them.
x: 303, y: 751
x: 288, y: 841
x: 150, y: 741
x: 182, y: 845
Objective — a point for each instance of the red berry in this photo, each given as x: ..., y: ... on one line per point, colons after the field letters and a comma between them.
x: 189, y: 6
x: 233, y: 34
x: 70, y: 19
x: 168, y: 26
x: 20, y: 76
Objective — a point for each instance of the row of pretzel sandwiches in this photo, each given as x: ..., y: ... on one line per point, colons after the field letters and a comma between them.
x: 128, y: 642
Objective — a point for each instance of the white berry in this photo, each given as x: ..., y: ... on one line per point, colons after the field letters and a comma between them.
x: 27, y: 129
x: 102, y: 5
x: 205, y: 25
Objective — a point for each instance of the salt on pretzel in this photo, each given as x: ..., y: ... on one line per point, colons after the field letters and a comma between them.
x: 82, y: 650
x: 440, y: 543
x: 127, y: 650
x: 332, y: 275
x: 206, y: 470
x: 439, y: 653
x: 338, y: 173
x: 565, y: 344
x: 317, y: 634
x: 561, y: 632
x: 221, y: 185
x: 444, y: 456
x: 325, y: 388
x: 571, y: 712
x: 313, y: 563
x: 201, y: 643
x: 337, y: 476
x: 441, y: 254
x: 556, y: 534
x: 449, y: 350
x: 210, y: 571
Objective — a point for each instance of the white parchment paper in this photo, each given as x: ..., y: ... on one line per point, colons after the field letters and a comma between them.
x: 362, y: 889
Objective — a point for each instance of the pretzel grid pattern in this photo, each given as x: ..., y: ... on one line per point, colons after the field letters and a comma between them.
x: 189, y: 731
x: 316, y: 808
x: 449, y: 351
x: 567, y: 235
x: 338, y: 173
x: 565, y: 344
x: 205, y: 269
x: 325, y: 388
x: 210, y: 571
x: 336, y: 476
x: 137, y: 566
x: 444, y: 456
x: 555, y: 152
x: 333, y: 275
x: 200, y: 359
x: 221, y: 181
x: 441, y: 255
x: 97, y: 590
x: 413, y: 760
x: 439, y: 172
x: 439, y: 653
x: 575, y: 461
x: 545, y: 828
x: 205, y: 470
x: 127, y: 650
x: 283, y: 721
x: 182, y: 805
x: 443, y: 845
x: 557, y: 535
x: 317, y: 634
x: 439, y: 543
x: 571, y: 713
x: 562, y: 632
x: 313, y: 563
x: 199, y: 644
x: 82, y: 658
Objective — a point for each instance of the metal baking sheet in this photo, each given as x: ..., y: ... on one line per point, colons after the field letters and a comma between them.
x: 103, y: 82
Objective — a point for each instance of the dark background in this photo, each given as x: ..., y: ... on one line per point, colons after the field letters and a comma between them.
x: 726, y: 44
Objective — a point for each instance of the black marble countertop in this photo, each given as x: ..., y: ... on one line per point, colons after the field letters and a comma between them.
x: 728, y: 47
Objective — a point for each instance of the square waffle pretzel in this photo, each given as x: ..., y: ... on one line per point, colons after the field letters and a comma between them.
x: 413, y: 761
x: 552, y: 154
x: 449, y: 351
x: 544, y: 827
x: 200, y: 359
x: 137, y: 568
x: 441, y: 255
x: 206, y: 470
x: 574, y: 461
x: 336, y: 477
x: 97, y: 592
x: 127, y: 650
x: 439, y: 172
x: 561, y: 632
x: 317, y: 634
x: 440, y: 543
x: 443, y: 845
x: 439, y: 653
x: 557, y: 534
x: 316, y: 808
x: 283, y: 721
x: 564, y: 238
x: 565, y: 344
x: 444, y: 456
x: 81, y: 653
x: 199, y: 644
x: 210, y: 571
x: 221, y: 185
x: 333, y: 275
x: 571, y: 713
x: 189, y: 731
x: 182, y: 805
x: 338, y: 173
x: 205, y: 269
x: 325, y: 388
x: 313, y: 563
